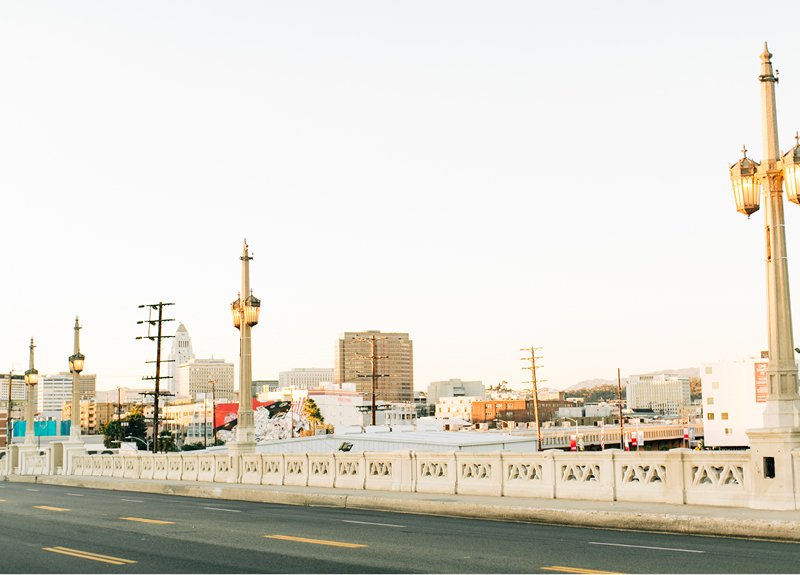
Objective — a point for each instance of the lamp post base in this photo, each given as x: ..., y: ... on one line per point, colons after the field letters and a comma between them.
x: 235, y: 450
x: 772, y: 467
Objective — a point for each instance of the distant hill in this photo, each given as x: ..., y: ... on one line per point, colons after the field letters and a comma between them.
x: 590, y: 383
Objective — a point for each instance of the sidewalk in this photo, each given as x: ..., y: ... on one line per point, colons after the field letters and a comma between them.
x: 656, y: 517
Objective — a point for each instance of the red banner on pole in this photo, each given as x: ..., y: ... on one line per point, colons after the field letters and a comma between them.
x: 573, y: 443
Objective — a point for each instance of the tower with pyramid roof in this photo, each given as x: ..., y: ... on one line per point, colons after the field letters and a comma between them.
x: 181, y: 353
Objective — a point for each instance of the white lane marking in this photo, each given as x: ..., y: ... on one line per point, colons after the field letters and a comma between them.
x: 646, y: 547
x: 31, y: 490
x: 220, y: 509
x: 75, y: 494
x: 132, y: 500
x: 368, y: 523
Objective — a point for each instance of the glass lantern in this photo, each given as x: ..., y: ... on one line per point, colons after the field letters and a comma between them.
x: 746, y: 186
x: 252, y: 306
x: 791, y: 172
x: 76, y: 362
x: 32, y: 377
x: 237, y: 317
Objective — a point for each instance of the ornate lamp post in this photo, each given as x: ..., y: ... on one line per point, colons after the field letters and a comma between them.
x: 245, y: 315
x: 76, y: 361
x: 31, y: 378
x: 772, y: 445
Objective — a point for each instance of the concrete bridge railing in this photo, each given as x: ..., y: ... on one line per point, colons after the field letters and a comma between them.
x: 678, y: 476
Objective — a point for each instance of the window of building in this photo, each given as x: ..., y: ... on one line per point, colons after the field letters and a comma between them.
x: 724, y: 415
x: 728, y: 431
x: 708, y: 371
x: 710, y: 401
x: 714, y: 385
x: 710, y: 416
x: 508, y: 406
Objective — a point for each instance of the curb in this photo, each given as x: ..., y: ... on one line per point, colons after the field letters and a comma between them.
x: 623, y: 521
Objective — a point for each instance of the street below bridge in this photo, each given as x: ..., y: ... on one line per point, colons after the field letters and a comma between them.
x: 58, y: 529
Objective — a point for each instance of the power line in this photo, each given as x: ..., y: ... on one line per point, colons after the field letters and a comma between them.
x: 534, y: 382
x: 157, y: 323
x: 374, y: 361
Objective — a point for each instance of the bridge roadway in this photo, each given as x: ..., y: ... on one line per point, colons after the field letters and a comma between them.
x: 655, y: 435
x: 69, y: 529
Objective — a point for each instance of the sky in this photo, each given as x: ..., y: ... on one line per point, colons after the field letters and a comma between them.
x: 486, y: 176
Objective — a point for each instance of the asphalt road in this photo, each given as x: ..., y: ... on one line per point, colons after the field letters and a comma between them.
x: 53, y: 529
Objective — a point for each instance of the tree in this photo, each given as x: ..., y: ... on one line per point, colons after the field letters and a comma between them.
x: 695, y: 388
x: 132, y: 425
x: 312, y: 412
x: 166, y: 441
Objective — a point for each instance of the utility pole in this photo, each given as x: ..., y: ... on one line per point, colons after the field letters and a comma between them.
x: 619, y: 406
x: 534, y: 382
x: 157, y: 338
x: 214, y: 409
x: 9, y: 424
x: 374, y: 361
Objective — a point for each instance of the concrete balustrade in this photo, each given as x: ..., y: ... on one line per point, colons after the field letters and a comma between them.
x: 678, y: 476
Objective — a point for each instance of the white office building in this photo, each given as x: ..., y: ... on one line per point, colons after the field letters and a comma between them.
x: 734, y: 398
x: 52, y: 391
x: 180, y: 354
x: 456, y: 407
x: 305, y: 377
x: 455, y: 388
x: 664, y: 393
x: 196, y: 376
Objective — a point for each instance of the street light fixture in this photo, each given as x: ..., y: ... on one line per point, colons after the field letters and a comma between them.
x: 245, y: 311
x: 31, y: 378
x: 772, y: 445
x: 76, y: 362
x: 748, y: 178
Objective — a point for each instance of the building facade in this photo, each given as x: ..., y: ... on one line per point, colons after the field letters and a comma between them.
x: 664, y: 393
x: 52, y: 392
x: 353, y: 365
x: 734, y: 398
x: 180, y: 354
x: 305, y: 377
x: 196, y: 376
x: 460, y: 407
x: 455, y: 388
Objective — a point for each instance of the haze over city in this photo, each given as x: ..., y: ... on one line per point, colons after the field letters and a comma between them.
x: 485, y: 177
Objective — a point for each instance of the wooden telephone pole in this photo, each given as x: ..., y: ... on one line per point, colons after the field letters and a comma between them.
x: 374, y: 361
x: 534, y: 382
x: 157, y: 338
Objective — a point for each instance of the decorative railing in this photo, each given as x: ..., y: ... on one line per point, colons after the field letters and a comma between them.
x: 678, y: 476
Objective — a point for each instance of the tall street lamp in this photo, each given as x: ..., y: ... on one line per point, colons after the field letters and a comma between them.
x: 76, y: 361
x: 31, y: 378
x: 772, y: 445
x: 245, y: 315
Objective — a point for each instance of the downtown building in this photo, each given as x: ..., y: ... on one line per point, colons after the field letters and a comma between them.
x: 663, y: 393
x: 196, y: 376
x: 180, y: 354
x: 353, y: 365
x: 305, y: 377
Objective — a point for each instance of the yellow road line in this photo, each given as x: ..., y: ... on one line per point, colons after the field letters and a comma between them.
x: 49, y: 508
x: 147, y: 520
x: 317, y: 541
x: 84, y: 555
x: 95, y: 555
x: 578, y: 570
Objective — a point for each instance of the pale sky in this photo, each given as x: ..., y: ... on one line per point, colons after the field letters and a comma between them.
x: 486, y: 176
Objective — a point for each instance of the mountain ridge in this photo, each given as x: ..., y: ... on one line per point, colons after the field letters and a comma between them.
x: 590, y: 383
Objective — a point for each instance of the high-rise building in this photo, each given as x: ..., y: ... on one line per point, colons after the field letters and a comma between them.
x: 196, y: 376
x: 397, y: 385
x: 662, y: 392
x: 19, y: 391
x: 52, y: 391
x: 88, y: 385
x: 305, y: 377
x: 180, y: 354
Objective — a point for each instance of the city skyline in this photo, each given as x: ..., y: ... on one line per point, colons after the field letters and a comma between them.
x: 484, y: 178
